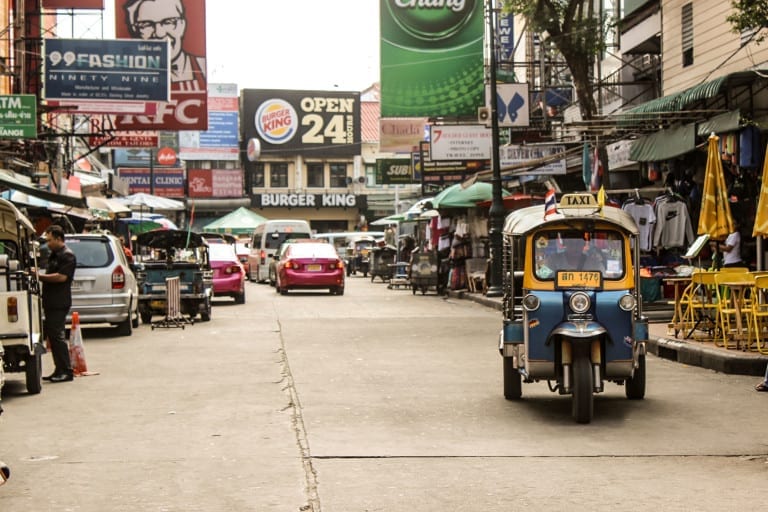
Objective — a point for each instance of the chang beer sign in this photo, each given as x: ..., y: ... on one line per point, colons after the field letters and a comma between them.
x: 431, y: 57
x: 18, y: 116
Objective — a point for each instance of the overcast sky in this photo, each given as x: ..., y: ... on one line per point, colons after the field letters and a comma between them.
x: 288, y: 44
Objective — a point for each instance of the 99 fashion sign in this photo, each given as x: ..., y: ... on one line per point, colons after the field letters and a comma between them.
x: 312, y: 123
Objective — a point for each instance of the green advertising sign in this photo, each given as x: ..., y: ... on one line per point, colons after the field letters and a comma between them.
x: 394, y: 171
x: 18, y: 116
x: 431, y: 58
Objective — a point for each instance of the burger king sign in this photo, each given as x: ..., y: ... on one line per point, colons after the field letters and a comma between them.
x: 321, y: 122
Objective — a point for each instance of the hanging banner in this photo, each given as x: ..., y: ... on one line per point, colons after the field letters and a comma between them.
x: 431, y: 58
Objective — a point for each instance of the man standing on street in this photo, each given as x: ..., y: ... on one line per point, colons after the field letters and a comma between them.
x: 57, y: 299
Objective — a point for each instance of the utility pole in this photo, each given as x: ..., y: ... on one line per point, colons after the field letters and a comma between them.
x: 496, y: 213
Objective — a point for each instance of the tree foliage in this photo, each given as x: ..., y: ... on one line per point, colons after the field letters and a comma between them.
x: 576, y: 31
x: 749, y: 15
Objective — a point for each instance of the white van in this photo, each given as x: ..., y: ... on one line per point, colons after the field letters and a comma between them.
x: 266, y: 240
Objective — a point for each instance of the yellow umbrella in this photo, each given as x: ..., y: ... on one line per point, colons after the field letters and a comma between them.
x: 715, y: 217
x: 761, y: 217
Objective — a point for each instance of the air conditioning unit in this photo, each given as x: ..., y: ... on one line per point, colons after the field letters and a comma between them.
x: 483, y: 115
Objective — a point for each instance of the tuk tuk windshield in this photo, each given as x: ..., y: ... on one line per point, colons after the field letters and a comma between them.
x: 600, y: 249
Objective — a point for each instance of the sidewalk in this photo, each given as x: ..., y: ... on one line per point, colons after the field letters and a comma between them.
x: 660, y: 343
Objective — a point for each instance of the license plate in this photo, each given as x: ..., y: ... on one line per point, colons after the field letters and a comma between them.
x: 77, y: 286
x: 578, y: 279
x: 157, y: 304
x: 314, y: 268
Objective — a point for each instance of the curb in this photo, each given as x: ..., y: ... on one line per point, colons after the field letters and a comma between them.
x: 684, y: 352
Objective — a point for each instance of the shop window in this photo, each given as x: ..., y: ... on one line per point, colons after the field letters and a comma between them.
x: 338, y: 175
x: 278, y: 175
x: 687, y: 34
x: 315, y: 175
x: 254, y: 176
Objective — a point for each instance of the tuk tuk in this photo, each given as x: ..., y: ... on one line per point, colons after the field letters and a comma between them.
x: 359, y: 255
x: 383, y: 262
x: 21, y: 321
x: 571, y: 302
x: 170, y: 253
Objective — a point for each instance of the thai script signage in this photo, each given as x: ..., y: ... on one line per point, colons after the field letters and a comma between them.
x: 18, y: 116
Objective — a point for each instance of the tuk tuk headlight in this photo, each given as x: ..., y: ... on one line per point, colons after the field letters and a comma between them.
x: 579, y: 302
x: 627, y: 302
x: 531, y: 302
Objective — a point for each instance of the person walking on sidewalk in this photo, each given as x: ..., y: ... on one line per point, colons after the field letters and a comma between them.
x: 763, y: 385
x: 57, y: 299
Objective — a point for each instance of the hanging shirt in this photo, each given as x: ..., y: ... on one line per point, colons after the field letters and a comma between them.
x: 645, y: 218
x: 673, y: 225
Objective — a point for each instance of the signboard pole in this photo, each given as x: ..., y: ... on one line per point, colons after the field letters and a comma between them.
x: 496, y: 212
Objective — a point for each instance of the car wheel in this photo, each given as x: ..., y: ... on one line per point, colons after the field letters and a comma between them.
x: 283, y: 291
x: 135, y: 320
x: 125, y: 328
x: 340, y: 290
x: 240, y: 298
x: 272, y: 279
x: 33, y: 370
x: 205, y: 315
x: 146, y: 317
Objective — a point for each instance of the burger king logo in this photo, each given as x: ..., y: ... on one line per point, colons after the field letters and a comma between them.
x: 276, y: 121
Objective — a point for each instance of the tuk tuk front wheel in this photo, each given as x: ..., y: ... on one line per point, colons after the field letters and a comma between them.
x: 513, y: 385
x: 33, y: 370
x: 582, y: 401
x: 635, y: 386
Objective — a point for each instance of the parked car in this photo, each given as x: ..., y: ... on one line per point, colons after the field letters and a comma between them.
x: 310, y: 265
x: 104, y: 289
x: 228, y: 273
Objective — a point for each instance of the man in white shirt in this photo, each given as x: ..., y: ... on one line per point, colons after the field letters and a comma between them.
x: 731, y: 248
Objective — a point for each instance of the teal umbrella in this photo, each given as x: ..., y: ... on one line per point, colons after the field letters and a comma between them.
x: 239, y: 222
x: 457, y: 196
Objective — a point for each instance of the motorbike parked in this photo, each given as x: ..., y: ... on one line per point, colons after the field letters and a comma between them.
x: 571, y: 302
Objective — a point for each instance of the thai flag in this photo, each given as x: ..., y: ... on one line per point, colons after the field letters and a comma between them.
x: 550, y: 203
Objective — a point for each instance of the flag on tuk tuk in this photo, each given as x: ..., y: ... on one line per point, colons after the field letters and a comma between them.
x: 550, y: 203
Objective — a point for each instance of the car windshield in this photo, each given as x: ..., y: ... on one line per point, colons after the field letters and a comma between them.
x: 90, y: 253
x: 598, y: 250
x: 221, y: 252
x: 310, y: 250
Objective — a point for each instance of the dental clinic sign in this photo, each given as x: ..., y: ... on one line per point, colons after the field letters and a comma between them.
x: 305, y: 201
x: 18, y: 116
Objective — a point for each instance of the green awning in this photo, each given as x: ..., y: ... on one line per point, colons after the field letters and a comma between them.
x: 702, y: 91
x: 723, y: 123
x: 664, y: 144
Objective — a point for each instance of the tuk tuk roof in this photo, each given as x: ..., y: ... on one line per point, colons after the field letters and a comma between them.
x: 10, y: 216
x: 521, y: 221
x: 167, y: 238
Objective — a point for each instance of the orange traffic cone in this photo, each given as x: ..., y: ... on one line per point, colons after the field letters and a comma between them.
x: 76, y: 348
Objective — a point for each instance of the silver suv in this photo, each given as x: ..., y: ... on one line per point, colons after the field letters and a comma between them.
x: 104, y: 289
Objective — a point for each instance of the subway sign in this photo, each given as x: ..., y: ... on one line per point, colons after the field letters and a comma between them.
x: 394, y: 171
x: 312, y: 123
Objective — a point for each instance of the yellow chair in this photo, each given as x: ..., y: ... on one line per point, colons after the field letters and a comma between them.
x: 701, y: 308
x: 760, y: 312
x: 734, y: 290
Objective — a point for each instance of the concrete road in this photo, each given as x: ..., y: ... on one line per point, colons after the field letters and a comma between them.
x: 377, y: 400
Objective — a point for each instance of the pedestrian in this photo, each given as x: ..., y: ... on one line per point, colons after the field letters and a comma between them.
x: 763, y: 385
x: 128, y: 252
x: 731, y: 248
x: 57, y: 299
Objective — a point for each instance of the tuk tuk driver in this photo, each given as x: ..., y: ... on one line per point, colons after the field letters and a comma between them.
x: 576, y: 254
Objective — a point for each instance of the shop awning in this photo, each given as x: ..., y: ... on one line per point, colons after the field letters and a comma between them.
x: 13, y: 181
x: 727, y: 122
x: 664, y: 144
